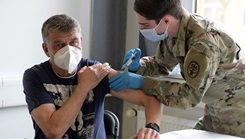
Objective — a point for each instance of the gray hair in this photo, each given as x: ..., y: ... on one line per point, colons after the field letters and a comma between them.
x: 62, y: 22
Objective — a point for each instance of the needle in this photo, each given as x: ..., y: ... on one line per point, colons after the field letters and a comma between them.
x: 129, y: 61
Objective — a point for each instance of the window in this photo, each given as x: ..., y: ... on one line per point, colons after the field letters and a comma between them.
x: 230, y: 13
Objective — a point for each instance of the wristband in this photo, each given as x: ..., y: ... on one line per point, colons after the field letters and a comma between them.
x: 153, y: 126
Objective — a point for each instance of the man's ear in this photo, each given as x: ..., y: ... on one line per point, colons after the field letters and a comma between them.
x: 45, y: 49
x: 81, y: 39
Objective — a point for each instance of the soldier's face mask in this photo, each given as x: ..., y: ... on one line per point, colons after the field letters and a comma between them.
x: 151, y: 34
x: 67, y: 58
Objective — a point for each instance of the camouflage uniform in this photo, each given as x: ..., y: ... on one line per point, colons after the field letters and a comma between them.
x: 213, y: 70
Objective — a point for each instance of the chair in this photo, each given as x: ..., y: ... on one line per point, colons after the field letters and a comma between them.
x: 111, y: 125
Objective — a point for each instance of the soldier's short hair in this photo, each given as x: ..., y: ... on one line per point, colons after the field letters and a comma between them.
x: 156, y: 9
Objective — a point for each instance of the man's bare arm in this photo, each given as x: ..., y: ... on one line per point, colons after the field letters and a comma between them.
x: 153, y: 108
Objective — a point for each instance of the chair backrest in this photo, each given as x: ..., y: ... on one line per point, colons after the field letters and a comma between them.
x: 111, y: 124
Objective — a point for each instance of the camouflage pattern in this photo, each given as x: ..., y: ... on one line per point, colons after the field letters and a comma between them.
x: 213, y: 69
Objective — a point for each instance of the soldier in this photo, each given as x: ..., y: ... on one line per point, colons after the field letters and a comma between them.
x: 209, y: 59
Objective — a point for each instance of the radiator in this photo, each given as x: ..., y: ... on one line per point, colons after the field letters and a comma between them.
x: 168, y: 123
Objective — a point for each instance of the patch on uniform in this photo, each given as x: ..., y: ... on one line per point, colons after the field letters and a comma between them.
x: 197, y: 65
x: 193, y: 69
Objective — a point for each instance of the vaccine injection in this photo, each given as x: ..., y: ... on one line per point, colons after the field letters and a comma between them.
x: 129, y: 61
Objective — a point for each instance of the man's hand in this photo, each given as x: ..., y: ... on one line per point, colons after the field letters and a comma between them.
x: 146, y: 133
x: 90, y: 77
x: 126, y: 80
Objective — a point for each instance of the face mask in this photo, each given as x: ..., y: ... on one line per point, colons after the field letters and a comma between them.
x: 67, y: 58
x: 151, y: 34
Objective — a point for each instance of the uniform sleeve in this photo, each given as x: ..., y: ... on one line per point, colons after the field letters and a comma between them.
x: 160, y: 64
x: 200, y: 65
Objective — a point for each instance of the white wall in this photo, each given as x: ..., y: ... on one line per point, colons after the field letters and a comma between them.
x: 15, y: 123
x: 20, y: 36
x: 20, y: 26
x: 132, y: 32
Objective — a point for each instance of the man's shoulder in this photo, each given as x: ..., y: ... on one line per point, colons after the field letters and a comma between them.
x: 37, y: 69
x: 39, y: 66
x: 87, y: 62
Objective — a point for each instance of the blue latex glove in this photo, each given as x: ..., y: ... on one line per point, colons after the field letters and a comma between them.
x: 135, y: 65
x: 126, y: 80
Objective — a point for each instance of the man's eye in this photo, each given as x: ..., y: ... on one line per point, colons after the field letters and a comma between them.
x: 59, y: 45
x: 74, y: 43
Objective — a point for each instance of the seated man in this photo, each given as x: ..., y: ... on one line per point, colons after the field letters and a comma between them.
x: 65, y: 95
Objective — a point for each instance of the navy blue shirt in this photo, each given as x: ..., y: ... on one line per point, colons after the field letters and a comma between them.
x: 42, y: 85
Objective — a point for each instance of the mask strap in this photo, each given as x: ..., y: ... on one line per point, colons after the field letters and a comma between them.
x: 158, y: 24
x: 49, y: 51
x: 166, y: 28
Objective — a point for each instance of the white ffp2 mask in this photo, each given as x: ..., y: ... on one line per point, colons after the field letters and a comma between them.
x: 67, y: 58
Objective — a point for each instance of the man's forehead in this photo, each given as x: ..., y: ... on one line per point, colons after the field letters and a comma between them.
x: 57, y: 37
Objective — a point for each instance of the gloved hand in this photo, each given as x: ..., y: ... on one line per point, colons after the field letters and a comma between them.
x: 134, y: 66
x: 126, y: 80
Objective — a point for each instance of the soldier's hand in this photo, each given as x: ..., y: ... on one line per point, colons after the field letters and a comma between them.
x: 134, y: 66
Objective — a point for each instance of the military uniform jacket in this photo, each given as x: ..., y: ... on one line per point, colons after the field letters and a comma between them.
x: 213, y: 70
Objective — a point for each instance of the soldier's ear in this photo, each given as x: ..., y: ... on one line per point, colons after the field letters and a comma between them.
x: 167, y: 19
